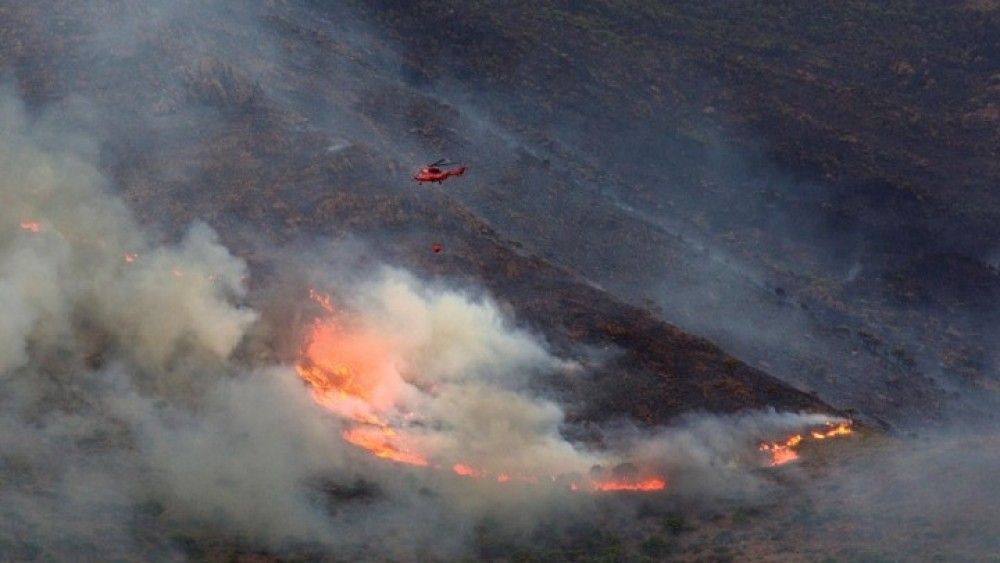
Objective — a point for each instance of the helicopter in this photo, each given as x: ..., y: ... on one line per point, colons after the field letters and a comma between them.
x: 435, y: 173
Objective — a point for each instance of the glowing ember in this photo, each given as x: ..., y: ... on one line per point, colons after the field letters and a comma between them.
x: 649, y: 485
x: 323, y: 299
x: 466, y: 471
x: 784, y: 451
x: 31, y: 226
x: 378, y: 441
x: 842, y: 429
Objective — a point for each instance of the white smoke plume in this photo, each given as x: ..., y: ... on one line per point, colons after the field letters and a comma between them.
x: 466, y: 369
x: 71, y: 252
x: 87, y: 297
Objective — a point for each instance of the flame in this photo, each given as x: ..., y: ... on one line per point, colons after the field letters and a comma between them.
x: 783, y: 452
x: 348, y: 373
x: 842, y: 429
x: 466, y: 471
x: 648, y: 485
x: 623, y: 485
x: 379, y: 442
x: 31, y: 226
x: 130, y: 258
x: 352, y: 372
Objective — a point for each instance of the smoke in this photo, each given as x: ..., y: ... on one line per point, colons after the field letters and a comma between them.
x: 138, y: 418
x: 432, y: 327
x: 130, y: 419
x: 119, y: 389
x: 474, y: 369
x: 930, y: 494
x: 243, y: 460
x: 94, y: 309
x: 707, y: 456
x: 926, y: 497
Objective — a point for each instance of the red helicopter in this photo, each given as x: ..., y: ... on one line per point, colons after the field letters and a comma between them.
x: 435, y: 173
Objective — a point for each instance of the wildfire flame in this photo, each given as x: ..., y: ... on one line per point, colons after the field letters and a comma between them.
x: 466, y: 471
x: 647, y: 485
x: 379, y: 441
x: 346, y: 372
x: 352, y: 372
x: 31, y: 226
x: 842, y: 429
x: 784, y: 451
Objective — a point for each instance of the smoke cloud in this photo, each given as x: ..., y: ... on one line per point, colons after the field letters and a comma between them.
x: 130, y: 420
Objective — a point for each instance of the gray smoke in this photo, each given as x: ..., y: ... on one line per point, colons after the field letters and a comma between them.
x: 123, y: 402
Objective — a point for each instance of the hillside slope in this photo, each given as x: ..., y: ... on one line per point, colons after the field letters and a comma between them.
x: 207, y: 128
x: 758, y: 172
x: 818, y: 204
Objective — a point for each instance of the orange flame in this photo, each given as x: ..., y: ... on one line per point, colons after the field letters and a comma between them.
x: 466, y: 471
x: 842, y: 429
x: 378, y: 441
x: 647, y: 485
x: 351, y: 373
x: 346, y: 370
x: 783, y: 452
x: 346, y: 373
x: 31, y: 226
